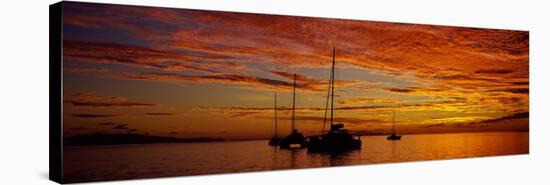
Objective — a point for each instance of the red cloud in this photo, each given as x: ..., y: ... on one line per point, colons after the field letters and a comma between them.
x: 465, y: 69
x: 159, y: 114
x: 95, y: 115
x: 84, y: 99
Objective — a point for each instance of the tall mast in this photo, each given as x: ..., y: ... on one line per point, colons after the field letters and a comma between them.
x: 275, y: 108
x: 292, y: 126
x: 332, y: 87
x: 327, y: 102
x: 393, y: 126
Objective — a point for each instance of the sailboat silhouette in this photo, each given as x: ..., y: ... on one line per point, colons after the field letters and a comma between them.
x: 274, y: 141
x: 336, y: 139
x: 393, y: 135
x: 295, y: 139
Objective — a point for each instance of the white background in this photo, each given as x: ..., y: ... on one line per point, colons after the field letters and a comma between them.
x: 24, y: 91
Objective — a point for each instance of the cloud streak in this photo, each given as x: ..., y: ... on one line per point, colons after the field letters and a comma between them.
x: 159, y: 114
x: 84, y: 99
x: 95, y: 115
x: 222, y: 79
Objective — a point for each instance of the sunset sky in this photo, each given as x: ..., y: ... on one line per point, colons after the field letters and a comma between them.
x: 190, y: 73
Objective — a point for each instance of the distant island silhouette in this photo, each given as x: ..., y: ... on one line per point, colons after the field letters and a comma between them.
x: 118, y: 139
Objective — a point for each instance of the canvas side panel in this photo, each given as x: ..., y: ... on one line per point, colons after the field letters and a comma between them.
x: 55, y: 78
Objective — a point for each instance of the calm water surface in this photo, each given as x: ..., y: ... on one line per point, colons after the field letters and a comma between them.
x: 92, y: 163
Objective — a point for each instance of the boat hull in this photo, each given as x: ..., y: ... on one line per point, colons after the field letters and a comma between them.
x: 333, y: 143
x: 274, y: 141
x: 393, y: 137
x: 294, y: 140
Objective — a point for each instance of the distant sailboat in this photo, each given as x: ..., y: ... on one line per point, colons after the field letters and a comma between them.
x: 295, y: 139
x: 393, y: 135
x: 274, y: 141
x: 336, y: 139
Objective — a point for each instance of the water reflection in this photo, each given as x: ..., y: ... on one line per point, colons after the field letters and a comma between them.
x: 393, y: 150
x: 274, y: 154
x: 341, y: 158
x: 293, y: 154
x: 160, y: 160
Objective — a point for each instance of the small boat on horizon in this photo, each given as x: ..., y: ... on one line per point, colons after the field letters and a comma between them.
x: 295, y: 139
x: 274, y: 141
x: 337, y: 139
x: 393, y: 135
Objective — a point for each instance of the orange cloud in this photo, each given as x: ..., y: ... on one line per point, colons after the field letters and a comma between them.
x: 453, y: 70
x: 136, y: 56
x: 84, y: 99
x: 159, y: 114
x: 95, y: 115
x: 369, y: 100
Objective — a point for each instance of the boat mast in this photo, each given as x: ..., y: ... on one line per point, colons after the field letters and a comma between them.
x: 292, y: 126
x: 393, y: 126
x: 327, y: 102
x: 275, y: 108
x: 332, y: 86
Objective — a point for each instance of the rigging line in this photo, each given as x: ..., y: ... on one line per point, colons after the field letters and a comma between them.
x: 275, y: 114
x: 293, y: 105
x: 332, y: 84
x: 326, y: 105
